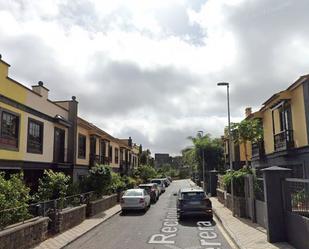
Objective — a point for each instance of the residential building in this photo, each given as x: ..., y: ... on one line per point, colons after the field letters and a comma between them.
x: 35, y: 132
x: 161, y: 159
x: 285, y: 117
x: 239, y: 150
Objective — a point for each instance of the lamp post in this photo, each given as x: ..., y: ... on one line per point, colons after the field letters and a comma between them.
x: 230, y: 137
x: 203, y: 162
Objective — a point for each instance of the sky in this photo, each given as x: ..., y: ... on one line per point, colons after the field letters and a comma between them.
x: 149, y: 69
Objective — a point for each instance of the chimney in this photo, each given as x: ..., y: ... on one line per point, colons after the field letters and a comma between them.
x: 248, y: 111
x: 41, y: 89
x: 130, y: 142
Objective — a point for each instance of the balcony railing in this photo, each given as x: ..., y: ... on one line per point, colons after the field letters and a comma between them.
x: 284, y: 140
x: 97, y: 159
x: 258, y: 150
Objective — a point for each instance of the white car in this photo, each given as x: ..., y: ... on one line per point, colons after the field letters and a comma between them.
x: 160, y: 183
x: 135, y: 199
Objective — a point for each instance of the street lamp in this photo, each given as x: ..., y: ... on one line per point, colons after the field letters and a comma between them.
x: 230, y: 137
x: 203, y: 163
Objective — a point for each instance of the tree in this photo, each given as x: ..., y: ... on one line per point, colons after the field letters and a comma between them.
x: 247, y: 130
x: 146, y: 172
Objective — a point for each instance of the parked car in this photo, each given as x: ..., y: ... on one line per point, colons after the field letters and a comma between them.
x: 193, y: 201
x: 169, y: 178
x: 166, y: 182
x: 135, y: 199
x: 160, y: 183
x: 152, y: 189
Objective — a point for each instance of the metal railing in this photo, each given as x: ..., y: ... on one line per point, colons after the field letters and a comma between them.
x: 258, y: 150
x: 297, y: 199
x: 259, y: 189
x: 284, y: 140
x: 14, y: 215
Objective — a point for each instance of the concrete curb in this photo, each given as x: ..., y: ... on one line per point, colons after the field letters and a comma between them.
x: 90, y: 229
x: 227, y: 231
x: 70, y: 242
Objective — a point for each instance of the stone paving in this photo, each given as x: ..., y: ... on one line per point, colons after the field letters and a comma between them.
x: 244, y: 233
x: 63, y: 239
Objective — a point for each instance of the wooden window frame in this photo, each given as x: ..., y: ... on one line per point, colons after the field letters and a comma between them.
x: 41, y: 124
x: 7, y: 146
x: 82, y: 156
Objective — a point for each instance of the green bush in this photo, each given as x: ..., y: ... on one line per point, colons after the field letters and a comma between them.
x: 238, y: 180
x: 146, y: 172
x: 117, y: 183
x: 99, y: 179
x: 13, y: 194
x: 53, y: 185
x: 130, y: 182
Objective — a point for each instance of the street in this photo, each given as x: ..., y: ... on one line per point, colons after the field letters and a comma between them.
x: 157, y: 228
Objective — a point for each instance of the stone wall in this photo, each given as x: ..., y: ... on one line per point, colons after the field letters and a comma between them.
x: 24, y: 235
x: 98, y: 206
x: 67, y: 218
x: 220, y: 195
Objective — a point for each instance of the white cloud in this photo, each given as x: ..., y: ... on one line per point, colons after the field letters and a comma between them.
x: 152, y: 66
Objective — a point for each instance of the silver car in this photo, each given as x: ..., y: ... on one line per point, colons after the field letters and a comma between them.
x: 137, y: 199
x: 160, y: 183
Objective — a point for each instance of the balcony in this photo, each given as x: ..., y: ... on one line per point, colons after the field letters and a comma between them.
x: 284, y: 140
x: 258, y: 150
x: 97, y: 159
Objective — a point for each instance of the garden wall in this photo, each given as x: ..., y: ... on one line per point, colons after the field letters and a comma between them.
x: 67, y: 218
x: 24, y: 235
x: 98, y: 206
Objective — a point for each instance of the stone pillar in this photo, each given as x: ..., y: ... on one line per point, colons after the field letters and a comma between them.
x: 273, y: 178
x: 213, y: 180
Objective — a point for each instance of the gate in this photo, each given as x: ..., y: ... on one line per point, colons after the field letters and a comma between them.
x: 296, y: 211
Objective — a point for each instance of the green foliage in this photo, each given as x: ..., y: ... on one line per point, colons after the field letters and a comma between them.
x: 130, y: 182
x: 184, y: 173
x: 146, y: 172
x: 52, y: 185
x: 99, y: 179
x: 13, y: 194
x: 212, y: 149
x: 300, y: 198
x: 238, y: 180
x: 117, y: 183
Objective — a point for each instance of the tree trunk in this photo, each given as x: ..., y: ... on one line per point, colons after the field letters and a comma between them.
x: 246, y: 154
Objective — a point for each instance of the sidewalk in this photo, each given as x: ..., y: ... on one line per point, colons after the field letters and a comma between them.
x: 244, y: 233
x: 63, y: 239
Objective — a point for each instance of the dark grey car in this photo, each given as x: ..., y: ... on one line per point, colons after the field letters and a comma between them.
x: 193, y: 201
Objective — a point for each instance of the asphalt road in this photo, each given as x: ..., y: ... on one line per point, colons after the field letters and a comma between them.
x: 158, y: 228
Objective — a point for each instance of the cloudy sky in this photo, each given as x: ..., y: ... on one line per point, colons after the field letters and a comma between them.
x: 148, y: 69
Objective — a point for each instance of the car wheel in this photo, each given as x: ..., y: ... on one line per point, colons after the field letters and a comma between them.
x: 123, y: 212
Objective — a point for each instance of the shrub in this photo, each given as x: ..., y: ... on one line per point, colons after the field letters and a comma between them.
x: 99, y: 179
x: 146, y: 172
x: 238, y: 180
x: 130, y: 182
x: 117, y: 183
x: 13, y: 194
x: 52, y: 185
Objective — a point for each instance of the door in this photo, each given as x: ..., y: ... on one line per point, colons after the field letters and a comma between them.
x: 59, y: 138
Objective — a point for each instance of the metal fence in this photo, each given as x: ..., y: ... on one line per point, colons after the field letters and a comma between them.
x: 45, y: 208
x: 259, y: 189
x: 297, y: 198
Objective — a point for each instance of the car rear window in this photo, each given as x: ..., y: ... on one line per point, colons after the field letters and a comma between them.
x: 193, y: 196
x: 133, y: 193
x: 148, y: 188
x: 156, y: 181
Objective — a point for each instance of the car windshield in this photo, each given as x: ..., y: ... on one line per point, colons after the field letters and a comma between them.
x: 133, y: 193
x: 193, y: 196
x: 147, y: 188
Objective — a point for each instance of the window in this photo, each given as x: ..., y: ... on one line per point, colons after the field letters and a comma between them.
x: 9, y: 130
x: 110, y: 153
x: 81, y: 146
x: 35, y: 136
x: 116, y: 155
